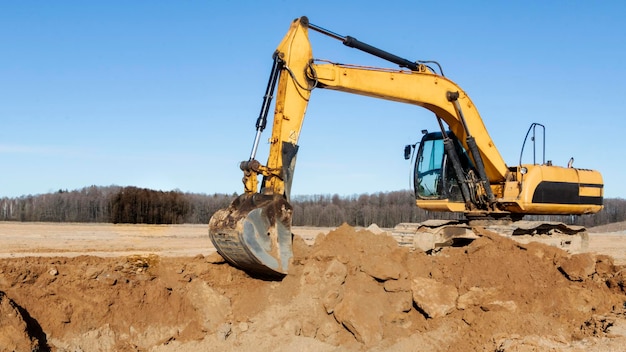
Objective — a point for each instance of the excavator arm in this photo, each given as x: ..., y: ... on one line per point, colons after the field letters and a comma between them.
x: 254, y: 232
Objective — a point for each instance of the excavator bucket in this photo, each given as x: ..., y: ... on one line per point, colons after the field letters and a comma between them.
x: 254, y: 234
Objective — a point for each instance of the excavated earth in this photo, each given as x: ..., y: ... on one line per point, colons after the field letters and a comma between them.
x: 351, y: 290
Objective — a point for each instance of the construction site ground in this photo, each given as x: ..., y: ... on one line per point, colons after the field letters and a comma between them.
x: 105, y: 287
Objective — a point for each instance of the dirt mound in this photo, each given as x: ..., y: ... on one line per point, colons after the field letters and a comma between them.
x: 466, y: 298
x: 351, y: 290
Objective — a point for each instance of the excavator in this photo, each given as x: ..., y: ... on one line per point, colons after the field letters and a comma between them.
x: 457, y: 169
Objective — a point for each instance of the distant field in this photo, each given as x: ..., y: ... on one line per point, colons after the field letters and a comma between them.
x: 19, y: 239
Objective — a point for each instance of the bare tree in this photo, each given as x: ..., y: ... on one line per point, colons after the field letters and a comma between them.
x: 136, y: 205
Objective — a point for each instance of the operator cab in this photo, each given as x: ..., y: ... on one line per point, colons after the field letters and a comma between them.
x: 433, y: 172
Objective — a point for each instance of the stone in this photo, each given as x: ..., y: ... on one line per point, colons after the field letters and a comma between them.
x: 382, y: 269
x: 433, y: 298
x: 335, y: 274
x: 357, y: 313
x: 215, y: 258
x: 579, y: 266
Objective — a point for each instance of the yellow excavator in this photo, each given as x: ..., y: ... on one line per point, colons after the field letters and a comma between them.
x: 457, y: 169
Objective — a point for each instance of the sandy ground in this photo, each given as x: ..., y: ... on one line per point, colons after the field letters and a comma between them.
x: 105, y: 287
x: 109, y: 240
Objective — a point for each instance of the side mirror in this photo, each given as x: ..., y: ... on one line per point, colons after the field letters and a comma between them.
x: 407, y: 151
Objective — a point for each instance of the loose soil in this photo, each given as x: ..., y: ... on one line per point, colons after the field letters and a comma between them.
x: 77, y: 287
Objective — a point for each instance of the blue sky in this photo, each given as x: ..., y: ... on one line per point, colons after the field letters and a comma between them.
x: 165, y: 94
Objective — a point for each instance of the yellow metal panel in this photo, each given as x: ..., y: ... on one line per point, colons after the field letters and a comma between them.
x: 590, y: 191
x: 440, y: 205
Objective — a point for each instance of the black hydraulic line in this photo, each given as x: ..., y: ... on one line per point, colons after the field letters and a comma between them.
x: 441, y: 127
x: 448, y: 145
x: 431, y: 62
x: 453, y: 97
x: 532, y: 127
x: 355, y: 43
x: 261, y: 121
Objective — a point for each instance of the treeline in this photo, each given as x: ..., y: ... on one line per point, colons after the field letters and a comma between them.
x: 383, y: 209
x: 139, y: 205
x: 114, y: 204
x: 392, y: 208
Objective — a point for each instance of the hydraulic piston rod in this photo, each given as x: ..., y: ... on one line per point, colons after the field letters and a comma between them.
x: 355, y: 43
